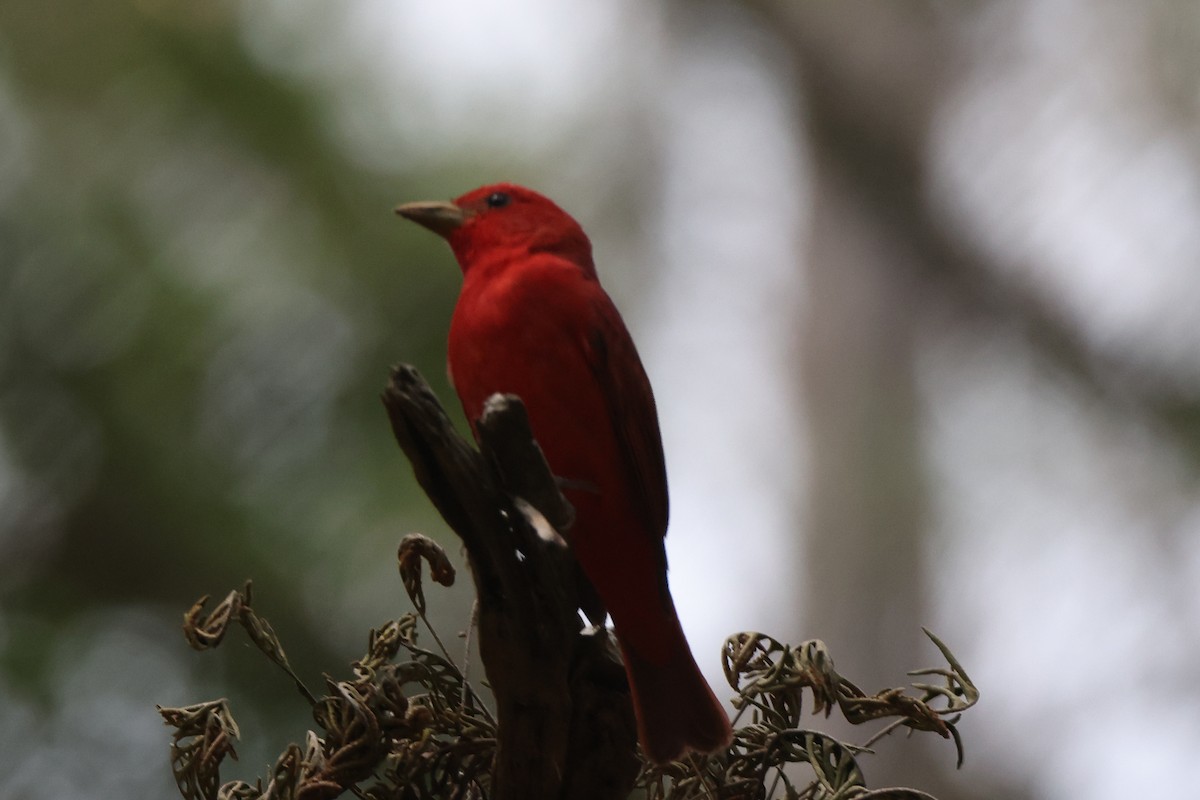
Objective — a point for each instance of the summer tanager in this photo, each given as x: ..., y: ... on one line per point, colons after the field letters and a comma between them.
x: 533, y: 320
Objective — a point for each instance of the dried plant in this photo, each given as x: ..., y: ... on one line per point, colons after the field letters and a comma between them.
x: 769, y: 678
x: 407, y: 725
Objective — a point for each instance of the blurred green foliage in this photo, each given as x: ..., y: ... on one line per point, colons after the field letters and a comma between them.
x: 200, y: 295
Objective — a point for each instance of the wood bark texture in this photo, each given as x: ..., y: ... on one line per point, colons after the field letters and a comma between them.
x: 566, y: 726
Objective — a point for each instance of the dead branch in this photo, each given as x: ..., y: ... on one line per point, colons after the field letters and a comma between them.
x: 566, y: 724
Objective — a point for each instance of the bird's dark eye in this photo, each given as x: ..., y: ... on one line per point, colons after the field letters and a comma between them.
x: 497, y: 200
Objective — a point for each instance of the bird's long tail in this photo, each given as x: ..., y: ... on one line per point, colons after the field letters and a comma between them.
x: 676, y: 710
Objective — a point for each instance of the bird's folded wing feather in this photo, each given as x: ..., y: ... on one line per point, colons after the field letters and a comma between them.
x: 630, y: 402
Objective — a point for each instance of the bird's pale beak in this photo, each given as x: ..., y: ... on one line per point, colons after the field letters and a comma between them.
x: 436, y: 215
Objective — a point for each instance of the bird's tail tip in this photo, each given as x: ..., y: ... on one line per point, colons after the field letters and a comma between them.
x: 676, y: 710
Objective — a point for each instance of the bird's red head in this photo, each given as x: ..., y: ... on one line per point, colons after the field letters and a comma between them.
x: 502, y: 220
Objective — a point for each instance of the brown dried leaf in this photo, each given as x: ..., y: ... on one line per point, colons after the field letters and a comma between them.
x: 204, y: 632
x: 414, y: 548
x: 204, y: 735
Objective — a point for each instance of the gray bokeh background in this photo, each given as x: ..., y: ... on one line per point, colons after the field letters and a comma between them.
x: 917, y: 283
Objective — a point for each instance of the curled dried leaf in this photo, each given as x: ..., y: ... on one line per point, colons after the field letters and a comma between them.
x: 414, y: 548
x: 204, y: 734
x: 205, y: 631
x: 240, y: 790
x: 287, y: 776
x: 770, y: 676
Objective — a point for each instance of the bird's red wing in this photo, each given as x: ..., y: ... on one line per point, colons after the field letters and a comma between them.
x: 630, y: 402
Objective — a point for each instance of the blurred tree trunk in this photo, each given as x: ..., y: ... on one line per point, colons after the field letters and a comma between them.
x: 866, y: 518
x: 869, y: 75
x: 866, y: 512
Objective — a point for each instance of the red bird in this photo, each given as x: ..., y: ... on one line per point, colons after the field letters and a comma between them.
x: 532, y: 320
